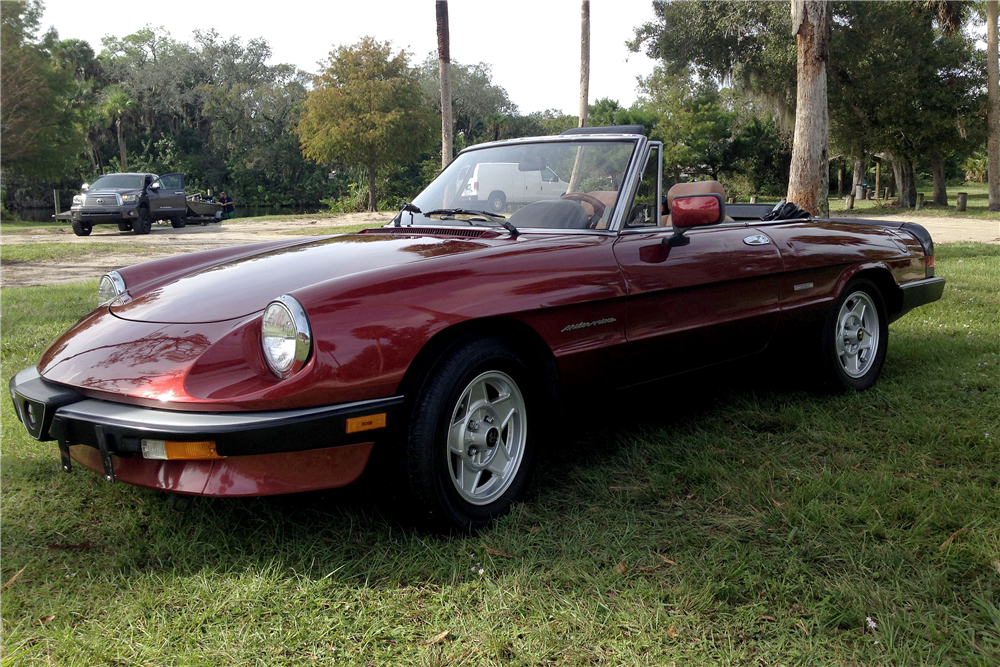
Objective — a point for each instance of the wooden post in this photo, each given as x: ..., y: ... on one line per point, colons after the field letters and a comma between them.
x: 886, y: 194
x: 878, y: 177
x: 55, y: 198
x: 963, y: 199
x: 850, y: 203
x: 920, y: 201
x: 753, y: 199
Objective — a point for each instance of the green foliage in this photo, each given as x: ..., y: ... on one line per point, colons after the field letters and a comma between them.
x: 690, y: 121
x: 366, y: 108
x: 476, y: 99
x: 42, y: 136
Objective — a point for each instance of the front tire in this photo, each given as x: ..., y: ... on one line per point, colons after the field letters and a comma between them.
x: 82, y: 228
x: 856, y: 337
x: 142, y: 224
x: 124, y: 226
x: 469, y: 450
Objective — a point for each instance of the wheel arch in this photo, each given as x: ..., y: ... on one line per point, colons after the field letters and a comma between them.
x: 519, y: 335
x: 882, y: 278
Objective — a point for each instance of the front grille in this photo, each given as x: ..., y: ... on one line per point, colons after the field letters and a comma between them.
x: 101, y: 200
x: 431, y: 231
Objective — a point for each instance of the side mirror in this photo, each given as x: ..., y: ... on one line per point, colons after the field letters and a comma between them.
x: 155, y: 186
x: 84, y: 187
x: 534, y: 163
x: 698, y: 210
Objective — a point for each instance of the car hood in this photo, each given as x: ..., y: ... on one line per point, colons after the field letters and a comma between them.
x: 245, y: 286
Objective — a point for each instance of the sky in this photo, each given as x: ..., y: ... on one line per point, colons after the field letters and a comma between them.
x: 533, y: 46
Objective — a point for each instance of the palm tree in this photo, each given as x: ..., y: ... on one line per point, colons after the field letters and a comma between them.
x: 444, y: 66
x: 116, y: 105
x: 574, y: 180
x: 993, y: 113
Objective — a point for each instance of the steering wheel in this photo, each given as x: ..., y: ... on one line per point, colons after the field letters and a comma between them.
x: 598, y: 205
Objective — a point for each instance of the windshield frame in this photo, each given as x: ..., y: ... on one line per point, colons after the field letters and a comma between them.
x: 614, y: 222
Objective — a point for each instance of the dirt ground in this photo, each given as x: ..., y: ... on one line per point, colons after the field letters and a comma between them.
x: 164, y: 241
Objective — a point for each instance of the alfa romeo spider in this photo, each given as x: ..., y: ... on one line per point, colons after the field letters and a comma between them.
x: 450, y: 337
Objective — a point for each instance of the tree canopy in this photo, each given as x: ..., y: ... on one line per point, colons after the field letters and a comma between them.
x: 367, y: 107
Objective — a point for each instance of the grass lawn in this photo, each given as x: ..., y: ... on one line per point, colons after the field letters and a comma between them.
x: 14, y: 253
x: 976, y: 209
x: 34, y: 227
x: 710, y: 520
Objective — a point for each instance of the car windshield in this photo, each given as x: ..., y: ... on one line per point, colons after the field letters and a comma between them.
x: 553, y: 184
x: 118, y: 181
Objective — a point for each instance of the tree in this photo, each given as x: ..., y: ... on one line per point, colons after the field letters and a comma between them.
x: 930, y: 114
x: 116, y: 105
x: 690, y: 121
x: 444, y: 66
x: 574, y: 180
x: 993, y: 113
x: 808, y: 182
x: 366, y: 108
x: 41, y: 131
x: 476, y: 100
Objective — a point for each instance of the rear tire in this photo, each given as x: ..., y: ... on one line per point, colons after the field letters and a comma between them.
x: 468, y: 448
x: 142, y: 224
x: 178, y: 223
x: 855, y: 338
x: 82, y: 228
x: 497, y: 202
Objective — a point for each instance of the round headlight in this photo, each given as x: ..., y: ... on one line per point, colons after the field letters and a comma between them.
x: 285, y: 336
x: 112, y: 285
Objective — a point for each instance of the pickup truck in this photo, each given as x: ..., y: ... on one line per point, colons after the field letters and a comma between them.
x: 132, y: 201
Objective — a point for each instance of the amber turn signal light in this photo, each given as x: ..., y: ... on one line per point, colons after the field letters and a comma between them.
x: 172, y: 450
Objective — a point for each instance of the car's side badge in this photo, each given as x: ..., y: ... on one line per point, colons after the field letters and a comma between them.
x: 757, y: 239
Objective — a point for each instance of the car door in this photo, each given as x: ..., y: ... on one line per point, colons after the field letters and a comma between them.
x: 166, y: 196
x: 692, y: 305
x: 551, y: 186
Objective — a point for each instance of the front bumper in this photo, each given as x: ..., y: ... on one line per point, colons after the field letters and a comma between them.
x: 97, y: 216
x: 107, y: 436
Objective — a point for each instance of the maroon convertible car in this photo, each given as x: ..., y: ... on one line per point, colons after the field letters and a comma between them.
x: 448, y: 339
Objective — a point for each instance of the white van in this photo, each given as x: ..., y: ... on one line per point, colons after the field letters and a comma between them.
x: 496, y: 184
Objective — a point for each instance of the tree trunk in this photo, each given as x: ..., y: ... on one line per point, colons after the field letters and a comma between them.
x: 840, y: 178
x: 809, y: 181
x: 121, y: 144
x: 859, y: 172
x: 371, y: 187
x: 993, y: 113
x: 937, y: 171
x: 574, y: 180
x: 902, y: 171
x: 444, y: 66
x: 584, y: 61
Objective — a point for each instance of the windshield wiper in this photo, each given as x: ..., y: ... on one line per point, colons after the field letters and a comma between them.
x: 486, y: 215
x: 409, y: 208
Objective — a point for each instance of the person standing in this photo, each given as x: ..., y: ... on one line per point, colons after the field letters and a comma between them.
x: 228, y: 208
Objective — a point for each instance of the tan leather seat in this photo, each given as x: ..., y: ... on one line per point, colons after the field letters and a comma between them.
x: 697, y: 188
x: 607, y: 197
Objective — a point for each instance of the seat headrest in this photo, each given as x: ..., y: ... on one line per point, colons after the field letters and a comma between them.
x: 698, y: 188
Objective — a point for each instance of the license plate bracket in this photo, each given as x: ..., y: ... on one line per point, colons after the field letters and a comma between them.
x: 67, y: 462
x: 102, y: 445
